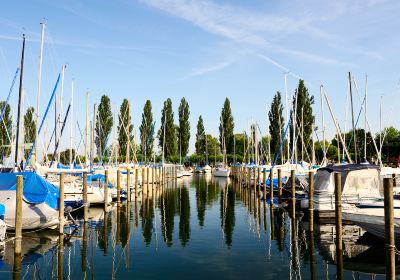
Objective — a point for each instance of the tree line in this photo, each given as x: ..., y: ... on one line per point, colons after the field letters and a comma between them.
x: 174, y: 137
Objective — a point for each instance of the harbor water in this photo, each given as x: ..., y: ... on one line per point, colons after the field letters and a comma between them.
x: 197, y: 227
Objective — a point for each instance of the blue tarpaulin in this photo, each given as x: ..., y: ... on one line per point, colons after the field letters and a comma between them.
x: 36, y: 189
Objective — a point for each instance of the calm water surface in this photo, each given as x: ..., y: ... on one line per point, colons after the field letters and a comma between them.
x: 201, y: 228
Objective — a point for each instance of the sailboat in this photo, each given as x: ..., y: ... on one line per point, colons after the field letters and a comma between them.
x: 40, y: 198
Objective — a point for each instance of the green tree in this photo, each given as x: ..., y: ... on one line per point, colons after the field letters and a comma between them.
x: 226, y: 127
x: 348, y: 138
x: 213, y: 146
x: 302, y: 102
x: 276, y: 123
x: 125, y: 128
x: 29, y: 128
x: 167, y: 130
x: 390, y: 138
x: 184, y: 127
x: 104, y: 123
x: 146, y: 132
x: 200, y: 137
x: 5, y: 130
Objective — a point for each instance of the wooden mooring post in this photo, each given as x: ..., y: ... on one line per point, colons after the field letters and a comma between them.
x: 271, y: 187
x: 18, y: 214
x: 61, y: 206
x: 280, y: 184
x: 338, y: 220
x: 389, y: 228
x: 118, y: 188
x: 264, y: 184
x: 105, y: 189
x: 136, y: 182
x: 311, y: 200
x: 128, y: 184
x: 85, y: 199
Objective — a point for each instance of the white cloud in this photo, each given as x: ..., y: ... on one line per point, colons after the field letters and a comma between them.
x: 209, y: 69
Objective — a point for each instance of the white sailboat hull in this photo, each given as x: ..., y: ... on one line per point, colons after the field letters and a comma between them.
x: 221, y: 172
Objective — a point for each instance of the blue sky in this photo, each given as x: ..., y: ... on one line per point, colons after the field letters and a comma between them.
x: 205, y: 51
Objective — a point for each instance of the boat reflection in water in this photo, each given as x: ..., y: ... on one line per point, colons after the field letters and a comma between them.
x: 196, y: 227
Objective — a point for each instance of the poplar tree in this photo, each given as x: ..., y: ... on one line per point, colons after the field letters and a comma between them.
x: 303, y: 114
x: 125, y: 127
x: 29, y: 128
x: 184, y: 127
x: 226, y: 127
x: 200, y: 137
x: 167, y: 123
x: 5, y: 129
x: 276, y: 123
x: 104, y: 123
x: 147, y: 131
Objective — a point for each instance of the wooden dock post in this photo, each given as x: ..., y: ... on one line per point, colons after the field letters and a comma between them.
x: 152, y: 175
x: 265, y: 184
x: 259, y: 177
x: 311, y: 200
x: 136, y: 183
x: 61, y: 206
x: 128, y: 184
x: 280, y: 184
x: 389, y: 228
x: 147, y: 178
x: 60, y: 254
x: 293, y: 186
x: 118, y: 188
x: 18, y: 214
x: 294, y: 222
x: 338, y: 219
x: 255, y: 178
x: 105, y: 189
x: 143, y: 178
x: 249, y: 177
x: 85, y: 199
x: 271, y: 186
x: 84, y: 249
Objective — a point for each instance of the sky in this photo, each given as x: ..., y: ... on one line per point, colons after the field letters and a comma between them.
x: 205, y: 51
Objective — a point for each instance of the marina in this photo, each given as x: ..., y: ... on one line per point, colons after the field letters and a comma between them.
x: 194, y: 227
x: 182, y: 139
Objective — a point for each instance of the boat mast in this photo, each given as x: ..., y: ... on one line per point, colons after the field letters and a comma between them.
x: 128, y: 129
x: 352, y: 120
x: 323, y: 126
x: 43, y: 25
x: 86, y: 129
x: 21, y: 75
x: 302, y: 135
x: 92, y: 134
x: 380, y: 128
x: 163, y: 146
x: 365, y: 119
x: 71, y: 124
x: 287, y: 118
x: 337, y: 128
x: 61, y: 105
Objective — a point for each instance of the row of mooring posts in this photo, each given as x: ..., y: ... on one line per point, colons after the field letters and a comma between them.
x: 243, y: 176
x: 251, y: 177
x: 160, y: 176
x: 390, y: 247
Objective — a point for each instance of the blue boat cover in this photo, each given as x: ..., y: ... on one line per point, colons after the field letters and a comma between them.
x: 36, y: 189
x: 98, y: 177
x: 2, y: 211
